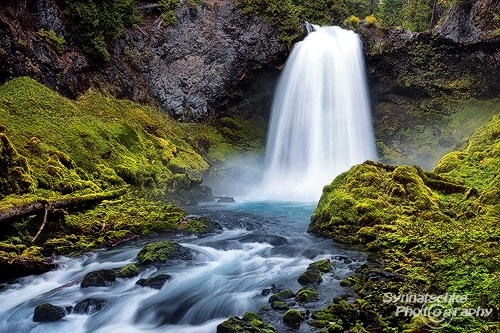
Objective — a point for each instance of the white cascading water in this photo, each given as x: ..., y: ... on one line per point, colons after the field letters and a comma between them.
x: 320, y: 121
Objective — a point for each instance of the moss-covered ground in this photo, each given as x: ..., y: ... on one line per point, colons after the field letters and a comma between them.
x: 53, y: 148
x: 438, y: 230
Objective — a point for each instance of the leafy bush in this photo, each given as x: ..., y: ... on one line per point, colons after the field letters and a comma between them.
x: 50, y: 37
x: 371, y: 19
x: 352, y: 21
x: 96, y: 23
x: 168, y: 7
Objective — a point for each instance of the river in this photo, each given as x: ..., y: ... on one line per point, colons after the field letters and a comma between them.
x: 262, y: 244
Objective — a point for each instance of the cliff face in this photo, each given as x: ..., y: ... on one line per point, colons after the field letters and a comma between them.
x: 428, y: 90
x: 188, y: 68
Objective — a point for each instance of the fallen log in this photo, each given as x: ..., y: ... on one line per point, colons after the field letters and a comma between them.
x: 39, y: 206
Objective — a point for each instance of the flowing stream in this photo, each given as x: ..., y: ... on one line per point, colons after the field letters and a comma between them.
x: 320, y: 121
x: 263, y: 244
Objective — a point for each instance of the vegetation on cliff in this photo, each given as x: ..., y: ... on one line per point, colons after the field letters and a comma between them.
x: 112, y: 166
x: 437, y: 230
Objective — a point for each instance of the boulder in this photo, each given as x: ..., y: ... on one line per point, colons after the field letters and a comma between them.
x: 47, y: 312
x: 310, y: 277
x: 164, y: 252
x: 128, y: 271
x: 306, y: 294
x: 281, y: 295
x: 324, y: 266
x: 279, y: 305
x: 100, y: 278
x: 90, y: 306
x: 292, y: 317
x: 155, y: 282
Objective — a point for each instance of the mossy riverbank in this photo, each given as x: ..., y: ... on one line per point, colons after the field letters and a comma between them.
x: 56, y: 149
x: 438, y: 231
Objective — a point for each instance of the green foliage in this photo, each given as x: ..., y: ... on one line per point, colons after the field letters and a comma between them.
x: 289, y: 15
x: 438, y: 229
x: 391, y: 12
x: 158, y: 251
x: 352, y: 21
x: 96, y: 23
x: 168, y: 7
x: 52, y: 147
x: 50, y: 37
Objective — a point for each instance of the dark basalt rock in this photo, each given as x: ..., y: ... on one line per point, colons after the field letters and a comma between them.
x: 118, y: 241
x: 155, y: 282
x: 189, y: 68
x: 100, y: 278
x: 90, y: 306
x: 226, y: 200
x: 48, y: 313
x: 385, y: 276
x: 274, y: 240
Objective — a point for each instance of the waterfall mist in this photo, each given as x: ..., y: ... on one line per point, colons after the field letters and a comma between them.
x: 320, y: 121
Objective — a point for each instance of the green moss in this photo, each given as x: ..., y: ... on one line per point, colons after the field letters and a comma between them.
x: 281, y: 295
x: 437, y: 229
x: 306, y: 294
x: 53, y: 148
x: 292, y: 316
x: 50, y: 37
x: 158, y: 251
x: 324, y: 266
x: 128, y: 271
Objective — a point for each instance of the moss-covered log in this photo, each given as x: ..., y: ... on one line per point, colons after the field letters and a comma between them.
x: 39, y: 206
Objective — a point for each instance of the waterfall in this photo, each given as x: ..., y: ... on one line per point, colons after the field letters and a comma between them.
x: 320, y: 121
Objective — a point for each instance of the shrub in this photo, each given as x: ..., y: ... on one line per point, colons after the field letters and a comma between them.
x: 352, y: 21
x: 96, y: 23
x: 50, y: 37
x: 371, y: 19
x: 168, y: 7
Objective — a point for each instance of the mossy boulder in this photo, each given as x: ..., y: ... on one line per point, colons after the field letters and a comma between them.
x: 163, y: 252
x: 306, y: 294
x: 323, y: 266
x: 100, y: 278
x: 47, y: 312
x: 292, y: 317
x: 251, y: 322
x: 155, y: 282
x: 128, y: 271
x: 279, y: 305
x: 310, y: 277
x: 15, y: 174
x: 281, y: 295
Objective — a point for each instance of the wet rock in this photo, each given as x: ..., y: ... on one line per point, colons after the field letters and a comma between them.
x: 226, y: 200
x: 155, y: 282
x: 100, y: 278
x: 385, y: 276
x: 90, y: 306
x: 274, y: 240
x: 323, y: 266
x: 48, y: 313
x: 118, y: 241
x: 128, y: 271
x: 292, y: 317
x: 163, y: 252
x: 251, y: 322
x: 306, y: 294
x: 281, y: 295
x: 279, y: 305
x: 345, y: 259
x: 265, y: 292
x: 310, y: 277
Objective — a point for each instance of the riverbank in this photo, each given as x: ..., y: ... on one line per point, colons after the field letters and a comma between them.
x: 435, y: 232
x: 77, y: 175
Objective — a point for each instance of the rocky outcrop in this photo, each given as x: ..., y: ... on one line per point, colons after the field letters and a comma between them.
x: 421, y: 84
x: 471, y: 22
x: 189, y: 68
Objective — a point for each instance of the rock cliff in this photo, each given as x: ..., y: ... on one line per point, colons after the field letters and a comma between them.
x: 188, y: 68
